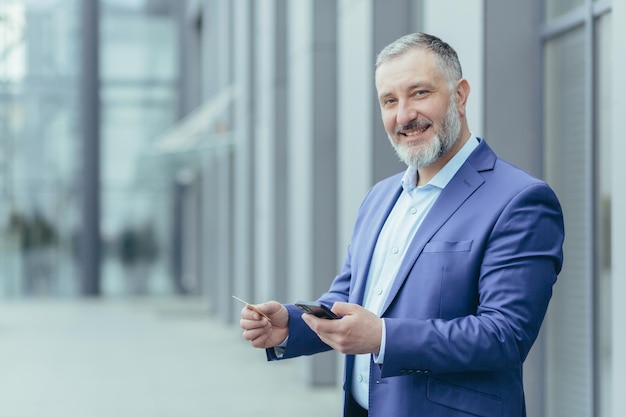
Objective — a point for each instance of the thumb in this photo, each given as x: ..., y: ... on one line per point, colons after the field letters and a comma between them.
x: 344, y: 309
x: 270, y: 307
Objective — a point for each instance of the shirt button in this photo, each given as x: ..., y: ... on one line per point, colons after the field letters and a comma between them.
x: 359, y: 378
x: 395, y: 251
x: 380, y: 291
x: 413, y: 210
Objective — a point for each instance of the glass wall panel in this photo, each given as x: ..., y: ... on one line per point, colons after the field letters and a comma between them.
x: 139, y: 70
x: 568, y: 167
x: 603, y: 318
x: 556, y: 8
x: 39, y: 147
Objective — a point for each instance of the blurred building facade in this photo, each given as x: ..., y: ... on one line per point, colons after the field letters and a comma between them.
x: 236, y: 139
x: 49, y: 167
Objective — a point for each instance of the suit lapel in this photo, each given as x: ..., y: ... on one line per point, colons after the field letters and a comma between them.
x: 459, y: 189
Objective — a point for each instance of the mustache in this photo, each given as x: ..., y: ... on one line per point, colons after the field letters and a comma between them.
x: 413, y: 124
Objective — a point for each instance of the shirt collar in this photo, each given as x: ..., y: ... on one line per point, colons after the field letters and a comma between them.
x: 443, y: 177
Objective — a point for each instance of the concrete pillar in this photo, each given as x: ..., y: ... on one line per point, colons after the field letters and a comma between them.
x: 216, y: 51
x: 223, y: 247
x: 364, y: 152
x: 270, y: 168
x: 217, y: 41
x: 358, y: 112
x: 244, y: 155
x: 189, y: 15
x: 90, y: 248
x: 313, y: 160
x: 209, y: 183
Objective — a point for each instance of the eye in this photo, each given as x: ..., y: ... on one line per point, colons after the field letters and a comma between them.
x: 388, y: 101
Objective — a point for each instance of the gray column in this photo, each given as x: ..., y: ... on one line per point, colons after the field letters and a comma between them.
x: 244, y: 161
x: 189, y: 16
x: 209, y: 230
x: 216, y: 229
x: 217, y: 165
x: 216, y: 50
x: 364, y: 152
x: 269, y: 126
x: 313, y: 161
x: 90, y: 246
x: 223, y: 248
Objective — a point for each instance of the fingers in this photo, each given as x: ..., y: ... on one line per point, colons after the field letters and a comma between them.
x: 256, y: 333
x: 329, y: 331
x: 253, y: 313
x: 256, y: 330
x: 358, y: 331
x: 272, y: 311
x: 320, y: 325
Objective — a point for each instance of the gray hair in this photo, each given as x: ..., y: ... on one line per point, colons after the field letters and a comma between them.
x: 446, y: 57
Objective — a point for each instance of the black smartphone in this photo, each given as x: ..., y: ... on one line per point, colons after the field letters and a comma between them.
x: 316, y: 309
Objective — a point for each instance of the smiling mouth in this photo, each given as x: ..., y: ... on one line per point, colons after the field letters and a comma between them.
x: 415, y: 131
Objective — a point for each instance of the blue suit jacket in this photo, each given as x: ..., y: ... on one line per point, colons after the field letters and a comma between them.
x: 468, y: 300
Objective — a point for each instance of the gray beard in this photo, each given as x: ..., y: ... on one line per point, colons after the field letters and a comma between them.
x: 419, y: 157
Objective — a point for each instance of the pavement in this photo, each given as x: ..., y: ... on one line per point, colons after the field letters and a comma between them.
x: 142, y: 357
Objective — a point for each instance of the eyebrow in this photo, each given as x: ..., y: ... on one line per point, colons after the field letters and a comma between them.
x: 422, y: 85
x: 415, y: 86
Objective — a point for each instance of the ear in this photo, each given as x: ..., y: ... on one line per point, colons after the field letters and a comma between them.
x: 462, y: 93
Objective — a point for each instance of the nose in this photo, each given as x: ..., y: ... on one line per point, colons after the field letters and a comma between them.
x: 406, y: 113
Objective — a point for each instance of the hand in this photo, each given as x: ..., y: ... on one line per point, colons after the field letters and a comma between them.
x: 259, y: 331
x: 358, y: 331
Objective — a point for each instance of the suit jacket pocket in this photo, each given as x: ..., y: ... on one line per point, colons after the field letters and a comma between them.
x: 464, y: 399
x: 462, y: 246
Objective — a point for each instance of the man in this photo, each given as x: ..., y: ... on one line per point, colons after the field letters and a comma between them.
x: 451, y: 264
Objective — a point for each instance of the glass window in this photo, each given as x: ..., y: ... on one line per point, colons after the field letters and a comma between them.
x: 569, y: 171
x: 556, y: 8
x: 603, y: 217
x: 139, y: 70
x: 38, y: 147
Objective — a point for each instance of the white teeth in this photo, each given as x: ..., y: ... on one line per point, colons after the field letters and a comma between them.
x: 417, y: 132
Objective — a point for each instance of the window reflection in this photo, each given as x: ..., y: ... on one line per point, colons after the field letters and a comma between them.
x: 38, y: 147
x: 41, y: 150
x: 557, y: 8
x: 139, y: 78
x: 603, y: 321
x: 569, y: 171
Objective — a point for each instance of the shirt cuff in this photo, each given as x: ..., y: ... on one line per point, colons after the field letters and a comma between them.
x: 380, y: 356
x: 279, y: 350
